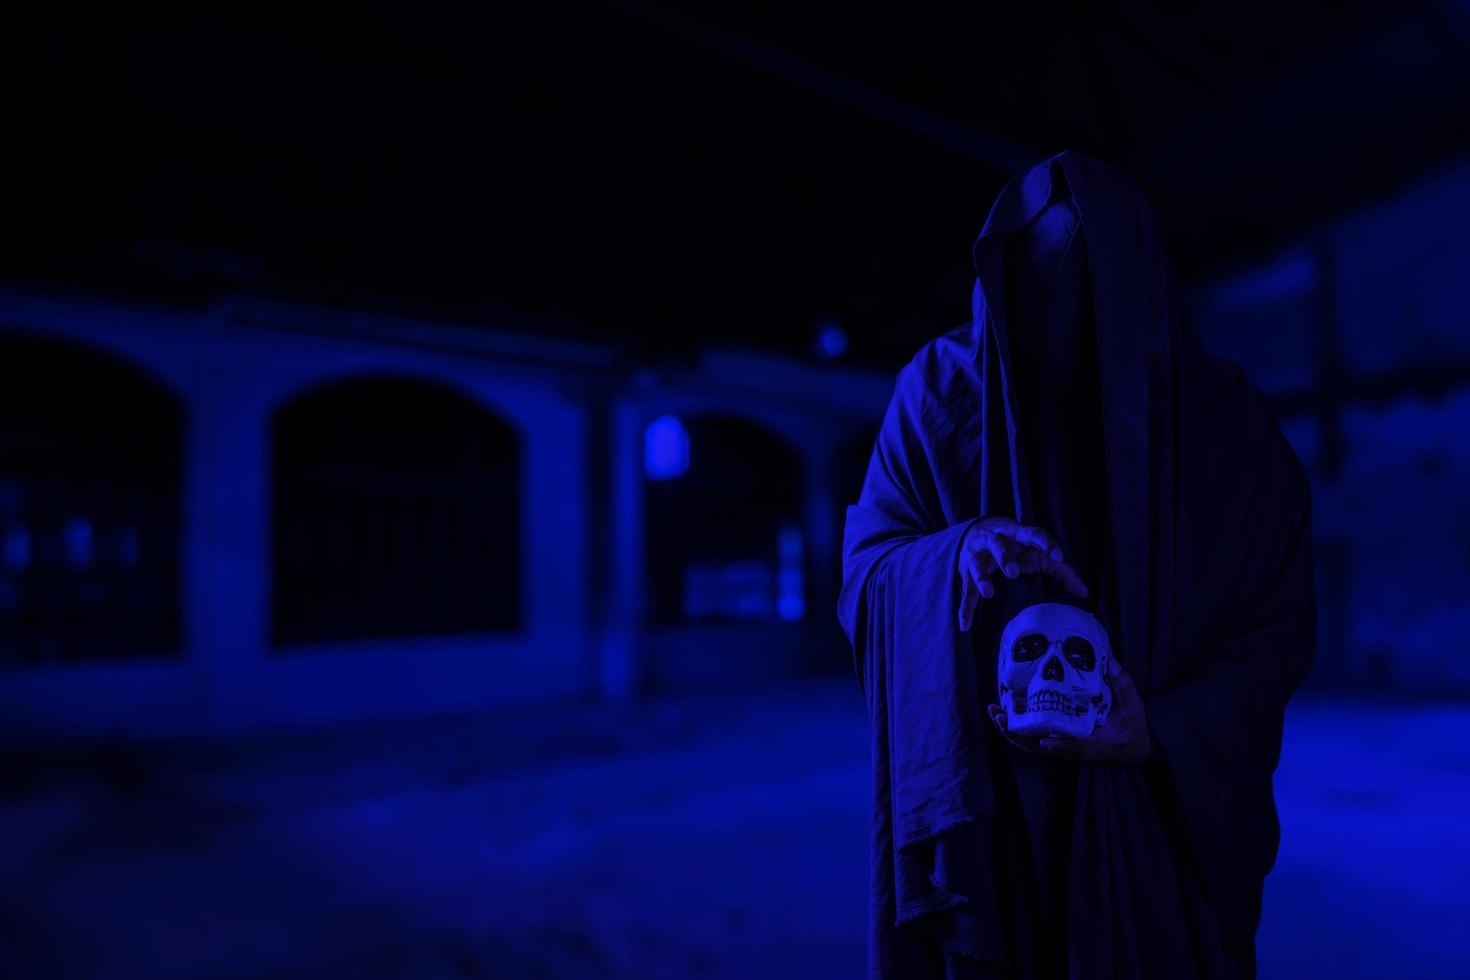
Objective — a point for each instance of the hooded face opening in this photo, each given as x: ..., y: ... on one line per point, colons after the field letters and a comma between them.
x: 1050, y: 332
x: 1051, y: 343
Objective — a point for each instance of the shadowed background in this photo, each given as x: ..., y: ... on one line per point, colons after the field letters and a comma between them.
x: 424, y: 444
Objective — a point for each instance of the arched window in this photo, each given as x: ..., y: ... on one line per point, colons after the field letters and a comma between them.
x: 396, y: 512
x: 90, y: 463
x: 724, y: 532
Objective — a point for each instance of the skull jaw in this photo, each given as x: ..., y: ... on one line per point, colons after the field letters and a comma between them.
x: 1046, y: 721
x: 1034, y: 723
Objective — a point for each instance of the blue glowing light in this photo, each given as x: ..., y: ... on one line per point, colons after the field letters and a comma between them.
x: 790, y: 582
x: 666, y: 448
x: 15, y: 551
x: 831, y: 339
x: 76, y: 535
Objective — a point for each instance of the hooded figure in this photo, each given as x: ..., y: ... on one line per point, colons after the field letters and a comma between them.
x: 1079, y: 400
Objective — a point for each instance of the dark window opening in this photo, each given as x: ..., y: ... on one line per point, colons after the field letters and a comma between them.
x: 90, y: 469
x: 396, y: 512
x: 725, y: 540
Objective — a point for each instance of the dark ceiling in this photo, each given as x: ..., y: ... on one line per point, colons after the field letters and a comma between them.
x: 669, y: 176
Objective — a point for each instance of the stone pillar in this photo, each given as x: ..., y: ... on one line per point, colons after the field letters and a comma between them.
x: 621, y: 627
x: 227, y: 544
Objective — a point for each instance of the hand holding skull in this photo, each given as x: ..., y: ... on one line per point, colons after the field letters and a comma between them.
x: 1122, y: 736
x: 993, y: 543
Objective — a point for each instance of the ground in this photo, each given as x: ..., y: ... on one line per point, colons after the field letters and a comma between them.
x: 714, y: 836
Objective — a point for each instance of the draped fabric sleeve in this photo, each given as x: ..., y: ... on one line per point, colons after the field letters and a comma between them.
x: 915, y: 667
x: 899, y: 606
x: 1218, y: 727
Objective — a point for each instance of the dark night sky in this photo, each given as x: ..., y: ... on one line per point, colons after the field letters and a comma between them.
x: 667, y: 177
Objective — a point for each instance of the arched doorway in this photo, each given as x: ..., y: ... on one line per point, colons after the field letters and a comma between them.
x: 726, y: 555
x: 724, y: 537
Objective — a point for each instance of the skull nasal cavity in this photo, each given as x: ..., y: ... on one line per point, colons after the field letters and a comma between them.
x: 1052, y: 671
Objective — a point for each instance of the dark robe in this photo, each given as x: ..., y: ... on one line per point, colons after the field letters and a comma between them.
x: 1190, y: 515
x: 1053, y: 361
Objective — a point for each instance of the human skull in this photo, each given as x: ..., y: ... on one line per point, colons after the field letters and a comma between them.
x: 1051, y: 671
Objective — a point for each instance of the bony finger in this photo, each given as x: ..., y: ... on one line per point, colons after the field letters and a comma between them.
x: 977, y: 571
x: 1066, y: 575
x: 1042, y: 541
x: 968, y: 598
x: 1032, y: 560
x: 1072, y: 580
x: 1003, y: 549
x: 1121, y: 680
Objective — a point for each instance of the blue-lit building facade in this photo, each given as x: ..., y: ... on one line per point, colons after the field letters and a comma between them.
x: 263, y: 514
x: 294, y: 516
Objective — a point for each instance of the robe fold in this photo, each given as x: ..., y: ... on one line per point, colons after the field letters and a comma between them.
x: 990, y: 861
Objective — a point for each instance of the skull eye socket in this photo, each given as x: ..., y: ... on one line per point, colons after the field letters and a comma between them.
x: 1079, y: 653
x: 1029, y: 647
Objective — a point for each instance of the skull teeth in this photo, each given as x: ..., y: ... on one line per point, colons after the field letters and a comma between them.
x: 1048, y: 701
